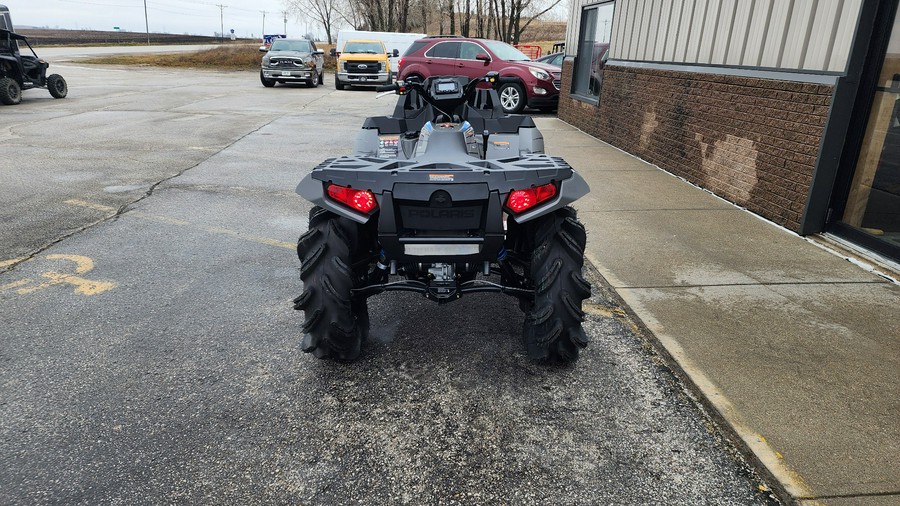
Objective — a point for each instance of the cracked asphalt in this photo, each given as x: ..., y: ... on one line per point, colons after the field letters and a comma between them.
x: 149, y: 352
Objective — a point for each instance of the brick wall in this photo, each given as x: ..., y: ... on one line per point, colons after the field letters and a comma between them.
x: 751, y: 141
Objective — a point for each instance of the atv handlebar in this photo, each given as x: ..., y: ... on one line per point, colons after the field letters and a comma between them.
x: 401, y: 87
x: 388, y: 87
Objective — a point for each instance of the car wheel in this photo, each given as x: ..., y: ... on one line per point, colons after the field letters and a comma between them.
x: 321, y: 78
x: 268, y: 83
x: 512, y: 98
x: 10, y: 92
x: 313, y: 81
x: 338, y: 85
x: 57, y: 86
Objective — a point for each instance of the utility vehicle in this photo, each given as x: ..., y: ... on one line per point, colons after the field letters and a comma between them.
x: 23, y: 71
x: 447, y: 196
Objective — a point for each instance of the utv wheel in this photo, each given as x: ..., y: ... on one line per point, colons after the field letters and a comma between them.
x: 553, y: 325
x: 338, y: 85
x: 57, y: 86
x: 268, y: 83
x: 10, y: 92
x: 512, y: 98
x: 336, y: 324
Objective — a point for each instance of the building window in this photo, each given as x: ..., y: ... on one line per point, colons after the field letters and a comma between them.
x: 593, y: 49
x: 873, y: 205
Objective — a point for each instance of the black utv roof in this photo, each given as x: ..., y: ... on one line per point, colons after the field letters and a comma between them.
x: 14, y: 35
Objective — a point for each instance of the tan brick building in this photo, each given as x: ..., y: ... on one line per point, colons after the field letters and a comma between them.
x: 784, y: 107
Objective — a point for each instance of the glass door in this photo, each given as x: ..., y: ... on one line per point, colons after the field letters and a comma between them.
x: 873, y: 203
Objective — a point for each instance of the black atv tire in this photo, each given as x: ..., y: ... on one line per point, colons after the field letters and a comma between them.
x: 552, y: 328
x: 10, y: 91
x: 57, y: 86
x: 514, y: 95
x: 335, y: 324
x: 268, y: 83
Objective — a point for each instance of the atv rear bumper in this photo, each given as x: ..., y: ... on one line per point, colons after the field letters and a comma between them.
x: 429, y: 212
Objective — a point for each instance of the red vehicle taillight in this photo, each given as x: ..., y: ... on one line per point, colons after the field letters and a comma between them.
x: 358, y: 200
x: 521, y: 200
x: 399, y: 64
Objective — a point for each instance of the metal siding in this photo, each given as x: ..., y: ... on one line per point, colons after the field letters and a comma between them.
x: 647, y: 24
x: 722, y: 40
x: 773, y: 46
x: 637, y: 29
x: 662, y: 38
x: 710, y: 29
x: 674, y: 26
x: 798, y: 34
x: 653, y: 33
x: 843, y: 37
x: 619, y: 40
x: 697, y: 25
x: 814, y: 35
x: 684, y: 31
x: 756, y: 35
x: 619, y: 24
x: 821, y: 40
x: 739, y: 32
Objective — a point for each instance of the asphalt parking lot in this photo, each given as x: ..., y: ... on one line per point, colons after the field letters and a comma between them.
x: 150, y: 354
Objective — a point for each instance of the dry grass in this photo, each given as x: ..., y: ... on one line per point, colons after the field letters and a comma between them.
x: 231, y: 57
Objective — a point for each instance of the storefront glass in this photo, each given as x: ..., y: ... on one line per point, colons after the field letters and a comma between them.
x: 873, y: 205
x: 593, y: 49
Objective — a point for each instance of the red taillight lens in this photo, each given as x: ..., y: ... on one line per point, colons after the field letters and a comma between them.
x: 358, y: 200
x: 399, y: 64
x: 521, y: 200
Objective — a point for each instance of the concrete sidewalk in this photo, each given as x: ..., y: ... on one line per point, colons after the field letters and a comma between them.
x: 794, y: 347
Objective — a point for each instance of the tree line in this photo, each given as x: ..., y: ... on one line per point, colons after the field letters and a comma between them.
x: 504, y: 20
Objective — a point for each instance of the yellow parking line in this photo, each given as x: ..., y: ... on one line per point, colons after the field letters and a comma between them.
x: 90, y: 205
x: 4, y: 263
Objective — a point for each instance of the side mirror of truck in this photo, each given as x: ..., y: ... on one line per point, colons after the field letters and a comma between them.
x: 395, y: 53
x: 319, y: 51
x: 263, y: 49
x: 332, y: 52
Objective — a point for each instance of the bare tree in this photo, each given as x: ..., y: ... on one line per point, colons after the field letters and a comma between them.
x: 326, y: 12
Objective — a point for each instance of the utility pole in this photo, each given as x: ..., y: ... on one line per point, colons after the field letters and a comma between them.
x: 264, y: 23
x: 284, y: 13
x: 222, y: 20
x: 147, y: 22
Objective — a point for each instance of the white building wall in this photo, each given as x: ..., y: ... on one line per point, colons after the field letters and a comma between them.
x: 809, y: 35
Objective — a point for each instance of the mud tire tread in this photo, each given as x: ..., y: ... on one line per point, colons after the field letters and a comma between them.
x: 553, y: 330
x: 335, y: 326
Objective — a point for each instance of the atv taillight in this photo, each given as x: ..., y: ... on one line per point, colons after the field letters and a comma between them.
x: 358, y: 200
x: 522, y: 200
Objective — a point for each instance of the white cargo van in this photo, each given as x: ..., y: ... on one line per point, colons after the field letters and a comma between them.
x: 391, y: 41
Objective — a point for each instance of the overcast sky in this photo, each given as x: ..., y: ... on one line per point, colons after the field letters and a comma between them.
x: 199, y: 17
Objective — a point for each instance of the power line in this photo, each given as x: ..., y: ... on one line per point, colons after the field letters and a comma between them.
x: 222, y: 19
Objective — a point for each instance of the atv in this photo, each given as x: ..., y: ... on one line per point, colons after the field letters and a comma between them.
x: 22, y: 72
x: 447, y: 196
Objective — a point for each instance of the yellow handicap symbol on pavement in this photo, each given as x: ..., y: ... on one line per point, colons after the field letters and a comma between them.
x: 83, y: 286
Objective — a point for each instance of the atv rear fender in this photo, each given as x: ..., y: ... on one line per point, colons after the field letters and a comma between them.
x: 500, y: 177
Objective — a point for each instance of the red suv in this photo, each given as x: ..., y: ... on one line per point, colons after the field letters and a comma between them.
x: 533, y: 83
